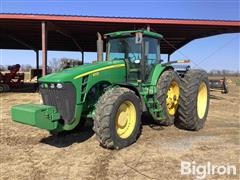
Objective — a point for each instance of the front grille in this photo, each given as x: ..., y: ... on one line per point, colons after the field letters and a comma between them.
x: 63, y: 99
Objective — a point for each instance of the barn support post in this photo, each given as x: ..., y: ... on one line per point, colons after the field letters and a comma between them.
x: 169, y: 57
x: 44, y: 48
x: 82, y: 57
x: 37, y: 63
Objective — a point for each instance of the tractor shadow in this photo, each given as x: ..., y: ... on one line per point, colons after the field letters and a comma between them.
x: 65, y: 139
x: 81, y: 134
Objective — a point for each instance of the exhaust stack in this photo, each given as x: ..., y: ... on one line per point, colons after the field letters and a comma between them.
x: 99, y: 47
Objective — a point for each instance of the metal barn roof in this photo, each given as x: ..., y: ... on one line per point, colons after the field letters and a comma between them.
x: 23, y: 31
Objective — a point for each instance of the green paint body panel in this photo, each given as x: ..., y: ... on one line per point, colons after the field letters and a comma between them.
x: 69, y: 74
x: 38, y: 115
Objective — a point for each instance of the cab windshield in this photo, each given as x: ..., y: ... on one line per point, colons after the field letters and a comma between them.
x: 123, y: 49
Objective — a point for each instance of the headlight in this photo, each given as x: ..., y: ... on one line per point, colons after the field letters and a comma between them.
x: 43, y: 85
x: 59, y: 86
x: 52, y: 86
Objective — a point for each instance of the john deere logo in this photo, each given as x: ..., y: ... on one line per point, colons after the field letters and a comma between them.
x: 95, y: 74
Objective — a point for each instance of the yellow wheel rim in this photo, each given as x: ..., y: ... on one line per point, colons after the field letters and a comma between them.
x: 172, y: 98
x: 126, y: 119
x: 202, y: 99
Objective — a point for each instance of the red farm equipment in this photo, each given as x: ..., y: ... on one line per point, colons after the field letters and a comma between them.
x: 11, y: 80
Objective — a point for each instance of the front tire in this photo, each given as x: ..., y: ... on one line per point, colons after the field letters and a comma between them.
x: 117, y: 119
x: 168, y: 96
x: 194, y: 101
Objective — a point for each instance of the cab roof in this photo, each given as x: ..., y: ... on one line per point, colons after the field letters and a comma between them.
x: 127, y: 33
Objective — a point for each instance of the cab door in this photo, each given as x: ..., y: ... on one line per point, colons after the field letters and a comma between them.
x: 134, y: 58
x: 151, y: 56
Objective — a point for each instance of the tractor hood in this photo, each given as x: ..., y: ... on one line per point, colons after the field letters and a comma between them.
x: 74, y: 73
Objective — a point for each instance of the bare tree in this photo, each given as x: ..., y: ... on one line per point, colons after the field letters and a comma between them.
x: 62, y: 63
x: 3, y: 68
x: 26, y: 67
x: 53, y: 65
x: 223, y: 72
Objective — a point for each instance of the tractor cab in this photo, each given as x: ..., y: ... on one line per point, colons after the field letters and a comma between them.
x: 139, y: 49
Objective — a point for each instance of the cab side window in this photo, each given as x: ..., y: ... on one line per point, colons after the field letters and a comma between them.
x: 152, y: 54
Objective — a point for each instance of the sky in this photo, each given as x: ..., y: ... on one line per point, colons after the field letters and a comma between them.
x: 216, y: 52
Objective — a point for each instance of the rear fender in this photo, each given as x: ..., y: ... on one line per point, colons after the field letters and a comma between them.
x: 157, y: 72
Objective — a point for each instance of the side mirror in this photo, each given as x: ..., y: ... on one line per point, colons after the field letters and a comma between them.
x: 138, y: 38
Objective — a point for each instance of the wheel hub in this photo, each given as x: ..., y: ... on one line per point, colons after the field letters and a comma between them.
x: 202, y: 100
x: 172, y: 98
x: 122, y: 119
x: 125, y: 119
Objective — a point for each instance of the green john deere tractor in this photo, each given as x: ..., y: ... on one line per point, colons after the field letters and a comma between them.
x: 115, y: 92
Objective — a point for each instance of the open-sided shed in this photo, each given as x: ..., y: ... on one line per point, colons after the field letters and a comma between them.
x: 78, y: 33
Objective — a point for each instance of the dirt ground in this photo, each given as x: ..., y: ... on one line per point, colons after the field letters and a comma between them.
x: 30, y: 153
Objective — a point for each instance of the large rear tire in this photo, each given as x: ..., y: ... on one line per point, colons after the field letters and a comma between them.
x: 193, y: 101
x: 117, y: 119
x: 168, y: 96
